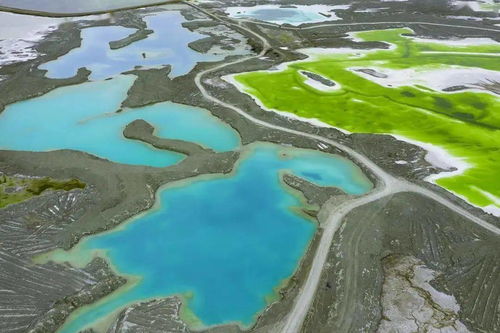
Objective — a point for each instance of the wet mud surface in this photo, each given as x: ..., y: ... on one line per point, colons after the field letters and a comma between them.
x: 405, y: 225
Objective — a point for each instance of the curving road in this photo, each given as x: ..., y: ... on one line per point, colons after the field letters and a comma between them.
x: 388, y: 184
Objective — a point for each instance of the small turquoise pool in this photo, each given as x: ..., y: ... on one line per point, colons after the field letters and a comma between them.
x: 293, y: 15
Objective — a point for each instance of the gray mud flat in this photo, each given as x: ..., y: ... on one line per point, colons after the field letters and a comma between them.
x: 143, y: 131
x: 151, y: 86
x: 409, y: 302
x: 38, y: 298
x: 464, y: 255
x: 160, y: 315
x: 132, y: 38
x: 319, y: 78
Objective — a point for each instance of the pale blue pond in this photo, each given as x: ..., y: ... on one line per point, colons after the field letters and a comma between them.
x: 168, y: 45
x: 226, y: 241
x: 82, y: 117
x: 297, y: 15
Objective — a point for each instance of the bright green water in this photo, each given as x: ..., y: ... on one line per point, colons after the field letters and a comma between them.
x: 466, y: 124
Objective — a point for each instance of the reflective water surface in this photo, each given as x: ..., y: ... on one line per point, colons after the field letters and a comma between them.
x: 83, y: 117
x: 224, y: 243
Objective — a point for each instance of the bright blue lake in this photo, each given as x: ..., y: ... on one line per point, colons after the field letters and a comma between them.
x: 228, y: 242
x: 83, y: 117
x: 167, y: 45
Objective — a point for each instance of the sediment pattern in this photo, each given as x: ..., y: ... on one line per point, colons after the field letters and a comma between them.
x: 411, y: 304
x: 37, y: 298
x: 408, y: 225
x: 160, y: 315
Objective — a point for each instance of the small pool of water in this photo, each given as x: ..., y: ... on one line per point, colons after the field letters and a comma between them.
x: 83, y: 117
x: 295, y: 16
x: 227, y: 242
x: 168, y: 45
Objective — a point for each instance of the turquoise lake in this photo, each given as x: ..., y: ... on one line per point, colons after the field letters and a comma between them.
x: 227, y: 241
x: 83, y: 117
x: 168, y: 45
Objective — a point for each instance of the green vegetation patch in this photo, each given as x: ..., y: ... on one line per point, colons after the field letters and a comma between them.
x: 465, y: 123
x: 18, y: 189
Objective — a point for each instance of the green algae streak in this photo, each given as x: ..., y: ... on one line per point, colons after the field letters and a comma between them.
x: 17, y: 189
x: 466, y: 124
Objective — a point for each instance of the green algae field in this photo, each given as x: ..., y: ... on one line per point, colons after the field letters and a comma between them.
x: 465, y: 122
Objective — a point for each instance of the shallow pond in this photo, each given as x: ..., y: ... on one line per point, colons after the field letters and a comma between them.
x: 225, y: 242
x: 168, y: 45
x: 291, y: 15
x: 83, y: 117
